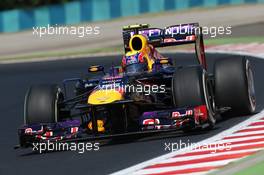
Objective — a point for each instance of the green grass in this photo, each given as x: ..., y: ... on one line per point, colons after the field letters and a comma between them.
x: 254, y: 165
x: 257, y: 169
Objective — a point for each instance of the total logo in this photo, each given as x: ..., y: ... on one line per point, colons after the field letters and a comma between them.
x: 178, y: 114
x: 28, y: 130
x: 151, y: 122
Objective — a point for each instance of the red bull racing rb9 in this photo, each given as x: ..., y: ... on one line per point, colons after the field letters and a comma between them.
x: 146, y: 93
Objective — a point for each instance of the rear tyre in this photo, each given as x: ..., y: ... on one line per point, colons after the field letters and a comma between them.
x: 41, y: 104
x: 234, y: 85
x: 191, y: 87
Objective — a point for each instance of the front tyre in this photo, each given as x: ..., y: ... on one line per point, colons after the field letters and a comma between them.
x: 191, y: 87
x: 234, y: 85
x: 41, y: 104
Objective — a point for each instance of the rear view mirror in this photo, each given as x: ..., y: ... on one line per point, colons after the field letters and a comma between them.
x: 163, y: 61
x: 115, y: 70
x: 96, y: 68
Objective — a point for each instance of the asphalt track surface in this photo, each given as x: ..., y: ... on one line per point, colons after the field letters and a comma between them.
x: 16, y: 78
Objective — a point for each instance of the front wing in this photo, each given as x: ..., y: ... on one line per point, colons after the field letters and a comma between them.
x: 150, y: 122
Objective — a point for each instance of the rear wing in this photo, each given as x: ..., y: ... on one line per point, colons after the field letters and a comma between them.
x: 169, y: 36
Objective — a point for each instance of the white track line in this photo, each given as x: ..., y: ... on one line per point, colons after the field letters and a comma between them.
x: 259, y: 121
x: 183, y: 167
x: 255, y: 127
x: 245, y: 139
x: 217, y: 137
x: 209, y: 155
x: 233, y: 146
x: 248, y: 133
x: 222, y: 147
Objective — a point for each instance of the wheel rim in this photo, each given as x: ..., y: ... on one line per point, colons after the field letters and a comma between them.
x: 25, y: 107
x: 56, y: 104
x: 56, y: 107
x: 209, y: 102
x: 251, y: 88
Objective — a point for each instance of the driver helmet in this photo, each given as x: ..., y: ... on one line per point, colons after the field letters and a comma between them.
x: 134, y: 62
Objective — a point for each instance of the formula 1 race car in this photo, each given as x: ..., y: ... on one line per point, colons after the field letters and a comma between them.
x: 147, y: 93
